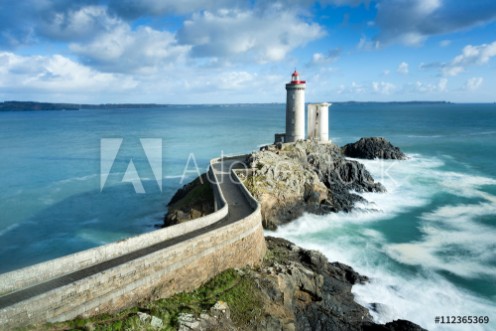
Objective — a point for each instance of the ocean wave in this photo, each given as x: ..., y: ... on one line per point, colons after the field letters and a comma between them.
x: 453, y: 241
x: 77, y: 179
x: 450, y: 238
x: 9, y: 228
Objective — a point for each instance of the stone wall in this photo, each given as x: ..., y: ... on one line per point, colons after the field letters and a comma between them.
x: 181, y: 267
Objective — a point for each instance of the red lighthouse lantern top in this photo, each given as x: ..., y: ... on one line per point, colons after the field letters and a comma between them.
x: 295, y: 78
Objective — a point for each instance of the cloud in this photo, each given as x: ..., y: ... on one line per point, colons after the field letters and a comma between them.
x: 30, y: 21
x: 474, y: 83
x: 126, y: 50
x: 471, y: 55
x: 476, y: 54
x: 383, y: 87
x: 329, y: 57
x: 402, y: 68
x: 247, y: 34
x: 78, y: 23
x: 366, y: 44
x: 440, y: 86
x: 55, y: 74
x: 411, y: 22
x: 451, y: 70
x: 354, y: 88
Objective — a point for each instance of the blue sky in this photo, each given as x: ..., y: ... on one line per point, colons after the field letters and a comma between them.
x: 233, y: 51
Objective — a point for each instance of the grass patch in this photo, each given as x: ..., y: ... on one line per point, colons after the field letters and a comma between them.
x: 199, y: 193
x: 236, y: 288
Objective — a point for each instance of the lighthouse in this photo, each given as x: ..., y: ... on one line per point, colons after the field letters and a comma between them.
x: 295, y: 108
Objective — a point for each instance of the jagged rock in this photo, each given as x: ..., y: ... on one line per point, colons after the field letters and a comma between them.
x: 289, y: 179
x: 373, y: 148
x: 303, y: 291
x: 397, y: 325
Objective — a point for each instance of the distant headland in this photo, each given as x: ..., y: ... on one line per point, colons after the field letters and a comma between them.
x: 51, y: 106
x: 33, y: 105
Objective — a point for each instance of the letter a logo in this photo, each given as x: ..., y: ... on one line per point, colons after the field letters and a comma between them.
x: 109, y: 148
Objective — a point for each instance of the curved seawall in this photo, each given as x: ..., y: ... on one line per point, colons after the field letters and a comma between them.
x: 157, y: 264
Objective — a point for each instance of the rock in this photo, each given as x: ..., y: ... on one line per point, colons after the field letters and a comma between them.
x: 217, y: 319
x: 293, y: 178
x: 397, y: 325
x: 373, y: 148
x: 193, y: 200
x: 303, y: 291
x: 156, y: 322
x: 188, y: 322
x: 144, y: 316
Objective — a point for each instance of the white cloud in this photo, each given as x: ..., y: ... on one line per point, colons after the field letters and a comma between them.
x: 354, y: 88
x: 402, y: 68
x: 383, y: 87
x: 235, y: 80
x: 125, y: 50
x: 56, y: 74
x: 440, y: 86
x: 452, y: 70
x: 78, y: 23
x: 247, y: 34
x: 471, y: 55
x: 474, y: 83
x: 366, y: 44
x: 476, y: 54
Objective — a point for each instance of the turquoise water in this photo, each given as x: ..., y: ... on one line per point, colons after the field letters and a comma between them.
x: 428, y: 245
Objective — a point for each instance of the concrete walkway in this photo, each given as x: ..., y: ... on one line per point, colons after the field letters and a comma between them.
x: 238, y: 208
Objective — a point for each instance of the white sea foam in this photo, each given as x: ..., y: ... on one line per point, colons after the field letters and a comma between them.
x: 448, y: 231
x: 8, y: 229
x: 77, y: 179
x: 451, y: 239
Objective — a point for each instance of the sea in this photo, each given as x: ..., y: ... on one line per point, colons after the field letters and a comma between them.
x: 73, y: 180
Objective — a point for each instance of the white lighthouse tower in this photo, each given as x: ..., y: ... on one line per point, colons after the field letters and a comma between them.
x: 295, y: 108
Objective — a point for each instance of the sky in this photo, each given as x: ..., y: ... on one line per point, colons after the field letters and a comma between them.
x: 234, y: 51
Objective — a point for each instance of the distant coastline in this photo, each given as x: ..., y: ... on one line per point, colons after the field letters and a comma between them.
x: 51, y: 106
x: 33, y: 105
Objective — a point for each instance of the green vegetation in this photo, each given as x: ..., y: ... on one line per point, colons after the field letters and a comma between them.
x: 236, y: 287
x: 201, y: 192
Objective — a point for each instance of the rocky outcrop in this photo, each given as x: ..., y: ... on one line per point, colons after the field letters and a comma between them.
x: 193, y: 200
x: 289, y: 179
x: 297, y: 289
x: 373, y: 148
x: 303, y: 291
